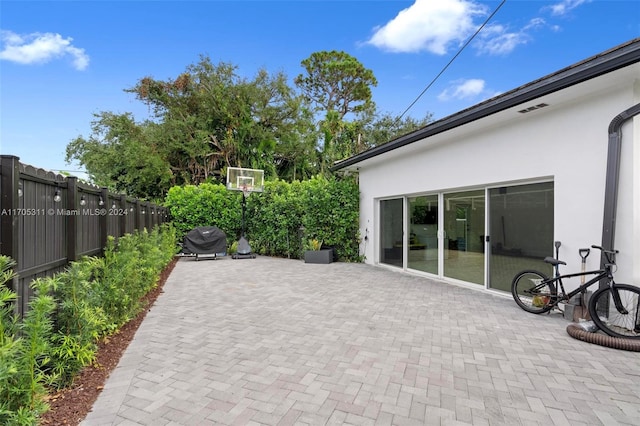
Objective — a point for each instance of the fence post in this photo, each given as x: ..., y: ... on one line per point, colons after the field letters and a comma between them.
x: 136, y: 222
x: 147, y: 219
x: 10, y: 180
x: 71, y: 218
x: 122, y: 214
x: 104, y: 197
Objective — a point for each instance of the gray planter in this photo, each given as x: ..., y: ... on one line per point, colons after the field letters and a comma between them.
x: 318, y: 256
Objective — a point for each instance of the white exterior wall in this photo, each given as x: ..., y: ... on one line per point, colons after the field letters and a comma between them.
x: 565, y: 142
x: 628, y: 213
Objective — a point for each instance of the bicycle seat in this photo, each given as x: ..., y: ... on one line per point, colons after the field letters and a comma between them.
x: 553, y: 261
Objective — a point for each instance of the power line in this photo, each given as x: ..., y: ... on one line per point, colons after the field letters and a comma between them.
x: 451, y: 61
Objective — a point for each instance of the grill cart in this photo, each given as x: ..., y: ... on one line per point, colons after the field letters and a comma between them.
x: 205, y: 240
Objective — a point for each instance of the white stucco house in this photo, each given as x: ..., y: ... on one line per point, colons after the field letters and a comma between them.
x: 479, y: 195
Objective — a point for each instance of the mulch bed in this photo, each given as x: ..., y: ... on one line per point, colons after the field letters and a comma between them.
x: 70, y: 406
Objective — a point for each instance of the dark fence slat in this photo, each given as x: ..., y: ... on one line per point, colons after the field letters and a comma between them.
x: 72, y: 220
x: 49, y: 220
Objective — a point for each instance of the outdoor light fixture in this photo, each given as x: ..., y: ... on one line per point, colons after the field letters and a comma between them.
x: 144, y: 211
x: 131, y: 209
x: 101, y: 201
x: 113, y: 206
x: 83, y: 201
x: 19, y: 189
x: 57, y: 197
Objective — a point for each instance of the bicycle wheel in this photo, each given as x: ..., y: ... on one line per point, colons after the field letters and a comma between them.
x: 532, y: 293
x: 607, y: 317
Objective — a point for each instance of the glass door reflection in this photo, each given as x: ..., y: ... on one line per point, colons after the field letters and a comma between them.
x: 423, y: 234
x: 464, y: 224
x: 391, y: 241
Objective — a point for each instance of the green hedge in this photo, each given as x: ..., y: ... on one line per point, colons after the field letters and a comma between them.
x: 331, y: 214
x: 192, y: 206
x: 279, y: 220
x: 67, y: 316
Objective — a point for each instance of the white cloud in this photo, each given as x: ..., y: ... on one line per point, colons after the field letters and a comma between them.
x: 437, y: 25
x: 498, y: 40
x: 429, y: 25
x: 463, y: 89
x: 564, y: 6
x: 37, y: 48
x: 534, y: 24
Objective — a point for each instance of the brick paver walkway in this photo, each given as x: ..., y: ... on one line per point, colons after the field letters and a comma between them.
x: 280, y: 342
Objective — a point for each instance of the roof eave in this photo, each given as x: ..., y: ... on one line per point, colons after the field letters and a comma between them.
x: 593, y: 67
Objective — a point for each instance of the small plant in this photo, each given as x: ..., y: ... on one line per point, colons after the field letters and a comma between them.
x: 36, y: 329
x: 314, y: 244
x: 68, y: 357
x: 24, y: 348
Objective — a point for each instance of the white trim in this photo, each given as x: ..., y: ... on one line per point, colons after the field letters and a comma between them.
x: 486, y: 246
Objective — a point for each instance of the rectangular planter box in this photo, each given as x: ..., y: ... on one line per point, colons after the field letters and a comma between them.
x: 318, y: 256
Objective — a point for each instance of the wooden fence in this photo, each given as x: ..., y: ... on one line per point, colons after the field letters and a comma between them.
x: 48, y: 220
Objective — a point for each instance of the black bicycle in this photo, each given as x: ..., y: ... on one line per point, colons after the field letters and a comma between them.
x: 614, y: 308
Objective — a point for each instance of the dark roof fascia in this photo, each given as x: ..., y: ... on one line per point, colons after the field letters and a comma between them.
x: 609, y: 61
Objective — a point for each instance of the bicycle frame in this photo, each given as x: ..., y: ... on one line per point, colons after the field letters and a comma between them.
x: 563, y: 295
x: 534, y: 292
x: 600, y: 274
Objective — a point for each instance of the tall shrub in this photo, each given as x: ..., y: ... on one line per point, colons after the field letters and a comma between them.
x: 331, y: 211
x: 207, y: 204
x: 274, y: 219
x: 281, y: 218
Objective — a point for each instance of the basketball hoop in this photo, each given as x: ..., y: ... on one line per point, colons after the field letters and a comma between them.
x: 239, y: 179
x: 245, y: 181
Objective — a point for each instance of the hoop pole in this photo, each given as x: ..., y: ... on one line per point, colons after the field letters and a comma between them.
x: 244, y: 203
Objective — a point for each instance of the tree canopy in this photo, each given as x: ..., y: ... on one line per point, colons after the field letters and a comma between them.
x: 123, y: 155
x: 210, y: 117
x: 336, y: 81
x: 336, y: 84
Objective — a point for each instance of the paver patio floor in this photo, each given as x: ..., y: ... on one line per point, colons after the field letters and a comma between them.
x: 280, y: 342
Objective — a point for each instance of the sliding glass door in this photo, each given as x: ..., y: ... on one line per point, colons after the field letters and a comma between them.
x: 447, y: 234
x: 391, y: 235
x: 464, y: 236
x: 521, y: 229
x: 423, y: 233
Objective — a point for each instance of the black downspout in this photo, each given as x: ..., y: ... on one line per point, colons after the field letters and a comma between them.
x: 611, y: 185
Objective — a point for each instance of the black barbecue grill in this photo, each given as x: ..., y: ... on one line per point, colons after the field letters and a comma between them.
x: 204, y: 240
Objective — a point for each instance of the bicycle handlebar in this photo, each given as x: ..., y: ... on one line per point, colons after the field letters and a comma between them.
x: 608, y: 254
x: 606, y: 251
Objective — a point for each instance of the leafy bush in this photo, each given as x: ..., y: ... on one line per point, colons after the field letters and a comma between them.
x: 331, y: 214
x: 57, y: 337
x: 279, y: 220
x: 24, y: 348
x: 205, y: 205
x: 274, y: 218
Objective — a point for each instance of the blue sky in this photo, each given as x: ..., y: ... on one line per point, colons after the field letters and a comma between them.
x: 63, y: 61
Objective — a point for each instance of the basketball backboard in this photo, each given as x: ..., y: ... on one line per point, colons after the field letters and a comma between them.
x: 246, y: 180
